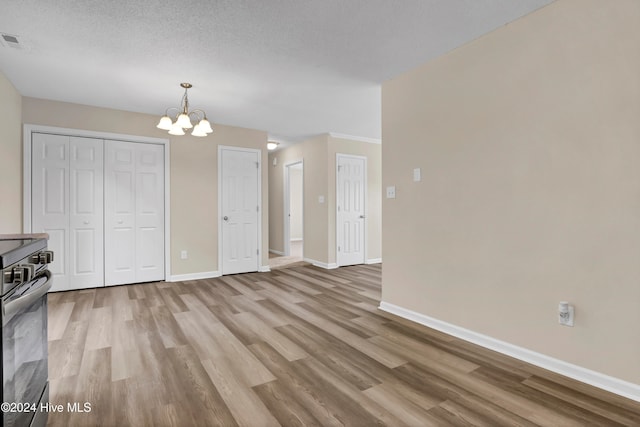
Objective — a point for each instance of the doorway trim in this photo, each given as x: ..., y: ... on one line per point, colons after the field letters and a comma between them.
x: 29, y: 129
x: 287, y: 207
x: 365, y: 233
x: 260, y: 267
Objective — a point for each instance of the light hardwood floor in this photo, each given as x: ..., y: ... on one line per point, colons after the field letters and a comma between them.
x: 294, y: 259
x: 295, y: 347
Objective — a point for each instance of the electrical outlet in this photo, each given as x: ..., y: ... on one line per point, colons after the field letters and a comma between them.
x: 565, y: 314
x: 183, y: 254
x: 391, y: 192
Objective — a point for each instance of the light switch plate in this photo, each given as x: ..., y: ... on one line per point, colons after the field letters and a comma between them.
x: 320, y: 199
x: 391, y: 192
x: 417, y: 175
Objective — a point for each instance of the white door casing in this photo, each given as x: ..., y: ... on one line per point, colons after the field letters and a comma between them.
x: 134, y: 212
x: 66, y: 203
x: 351, y: 178
x: 239, y: 187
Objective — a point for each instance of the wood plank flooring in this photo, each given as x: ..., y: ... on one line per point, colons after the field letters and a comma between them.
x: 295, y: 347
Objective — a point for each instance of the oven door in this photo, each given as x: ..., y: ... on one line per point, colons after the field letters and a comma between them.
x: 24, y: 350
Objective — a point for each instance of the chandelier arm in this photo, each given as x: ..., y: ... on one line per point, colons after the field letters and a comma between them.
x: 204, y: 115
x: 166, y: 112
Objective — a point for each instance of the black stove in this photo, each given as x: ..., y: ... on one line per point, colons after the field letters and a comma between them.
x: 24, y: 282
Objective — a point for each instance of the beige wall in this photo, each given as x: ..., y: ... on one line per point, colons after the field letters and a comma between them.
x: 319, y: 155
x: 528, y: 140
x: 10, y: 157
x: 193, y: 173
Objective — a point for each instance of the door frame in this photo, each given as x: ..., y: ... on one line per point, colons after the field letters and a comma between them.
x: 364, y: 203
x: 27, y: 131
x: 287, y: 206
x: 221, y: 148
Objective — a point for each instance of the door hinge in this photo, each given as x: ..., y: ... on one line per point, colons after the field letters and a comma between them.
x: 338, y: 248
x: 257, y: 208
x: 257, y: 165
x: 257, y: 251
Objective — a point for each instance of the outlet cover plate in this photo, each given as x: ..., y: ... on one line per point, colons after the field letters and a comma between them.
x: 569, y: 320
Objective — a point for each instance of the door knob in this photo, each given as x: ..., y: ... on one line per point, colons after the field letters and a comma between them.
x: 362, y: 216
x: 86, y: 222
x: 226, y: 218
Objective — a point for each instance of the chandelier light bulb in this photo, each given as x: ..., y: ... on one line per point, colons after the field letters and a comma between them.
x: 176, y: 130
x: 184, y: 121
x: 165, y: 123
x: 205, y: 125
x: 198, y: 131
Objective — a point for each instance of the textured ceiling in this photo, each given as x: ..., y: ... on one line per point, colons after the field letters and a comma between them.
x: 294, y: 68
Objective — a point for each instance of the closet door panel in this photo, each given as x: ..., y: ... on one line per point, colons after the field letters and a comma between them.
x: 134, y: 212
x: 119, y: 213
x: 150, y: 212
x: 50, y: 200
x: 86, y: 251
x: 67, y: 203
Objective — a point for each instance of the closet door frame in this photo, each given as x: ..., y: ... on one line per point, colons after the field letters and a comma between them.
x: 29, y: 129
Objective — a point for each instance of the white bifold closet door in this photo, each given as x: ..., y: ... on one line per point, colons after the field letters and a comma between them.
x: 134, y: 212
x: 67, y: 203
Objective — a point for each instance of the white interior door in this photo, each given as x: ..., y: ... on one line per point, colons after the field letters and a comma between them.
x: 350, y: 204
x: 240, y: 210
x: 134, y: 212
x: 66, y: 200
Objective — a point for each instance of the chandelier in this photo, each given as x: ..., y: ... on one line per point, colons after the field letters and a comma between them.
x: 183, y: 118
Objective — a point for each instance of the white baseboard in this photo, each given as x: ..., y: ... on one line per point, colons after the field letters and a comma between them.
x: 596, y: 379
x: 273, y: 251
x: 194, y: 276
x: 296, y: 239
x: 321, y: 264
x: 264, y: 269
x: 373, y: 261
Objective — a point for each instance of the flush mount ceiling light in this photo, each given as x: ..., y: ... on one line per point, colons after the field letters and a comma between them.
x: 272, y: 145
x: 183, y: 118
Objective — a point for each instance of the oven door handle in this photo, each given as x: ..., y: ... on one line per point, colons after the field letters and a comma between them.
x: 12, y: 307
